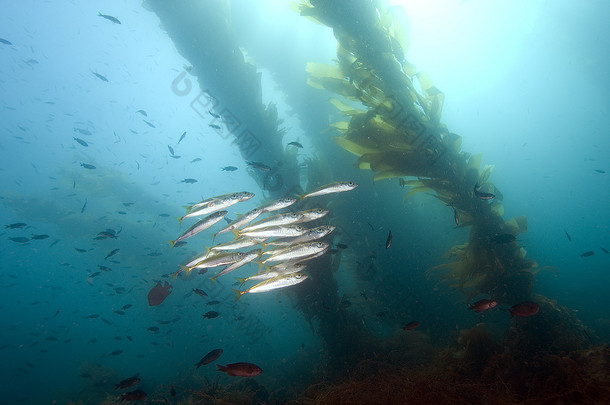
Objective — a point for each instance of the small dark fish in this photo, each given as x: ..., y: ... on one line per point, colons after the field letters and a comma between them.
x: 97, y: 273
x: 214, y: 302
x: 16, y: 225
x: 196, y: 160
x: 73, y: 183
x: 109, y: 18
x: 116, y: 352
x: 298, y: 145
x: 153, y: 329
x: 88, y: 166
x: 599, y: 171
x: 82, y: 131
x: 588, y: 253
x: 149, y: 124
x: 213, y: 114
x: 388, y: 241
x: 189, y: 181
x: 121, y: 212
x: 214, y: 126
x: 39, y: 237
x: 55, y: 242
x: 164, y: 215
x: 210, y: 357
x: 52, y: 339
x: 179, y: 243
x: 99, y: 76
x: 104, y: 268
x: 240, y: 369
x: 128, y: 204
x: 80, y: 250
x: 605, y: 251
x: 114, y: 252
x: 523, y: 309
x: 126, y: 306
x: 229, y: 168
x: 200, y: 292
x: 5, y: 42
x: 171, y: 150
x: 136, y: 395
x: 142, y: 112
x: 20, y: 239
x: 119, y: 312
x: 93, y: 316
x: 411, y: 325
x: 568, y: 236
x: 175, y: 156
x: 128, y: 382
x: 80, y: 141
x: 210, y: 315
x: 84, y: 206
x: 342, y: 246
x: 371, y: 226
x: 482, y: 196
x: 259, y: 166
x: 181, y: 137
x: 483, y: 305
x: 503, y: 238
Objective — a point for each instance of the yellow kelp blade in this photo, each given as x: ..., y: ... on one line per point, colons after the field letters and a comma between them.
x: 519, y: 224
x: 435, y: 97
x: 340, y: 125
x: 485, y: 173
x: 319, y: 70
x: 388, y: 174
x: 353, y: 147
x: 415, y: 190
x: 344, y: 107
x: 475, y: 161
x: 498, y: 208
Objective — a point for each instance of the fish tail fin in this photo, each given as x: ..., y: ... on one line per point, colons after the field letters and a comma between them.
x: 99, y: 14
x: 235, y: 233
x: 171, y: 243
x: 220, y: 368
x: 241, y: 280
x: 188, y: 208
x: 213, y: 278
x: 180, y: 219
x: 301, y: 197
x: 260, y: 265
x: 186, y: 269
x: 239, y: 294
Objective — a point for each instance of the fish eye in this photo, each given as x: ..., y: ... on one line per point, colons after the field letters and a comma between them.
x: 299, y: 228
x: 298, y: 275
x: 350, y: 183
x: 319, y: 244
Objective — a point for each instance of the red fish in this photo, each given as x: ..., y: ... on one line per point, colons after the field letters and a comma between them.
x: 483, y: 305
x: 240, y: 369
x: 482, y: 196
x: 526, y: 308
x: 133, y: 396
x: 411, y: 325
x: 159, y: 293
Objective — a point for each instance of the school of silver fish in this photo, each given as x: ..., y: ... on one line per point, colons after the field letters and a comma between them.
x: 284, y: 238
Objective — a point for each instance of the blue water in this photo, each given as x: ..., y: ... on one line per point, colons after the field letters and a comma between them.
x: 525, y: 85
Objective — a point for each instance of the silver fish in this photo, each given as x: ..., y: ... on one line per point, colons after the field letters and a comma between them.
x: 308, y: 236
x: 274, y: 283
x: 241, y: 221
x: 248, y: 257
x: 298, y: 252
x: 217, y: 205
x: 202, y: 225
x: 276, y: 220
x: 279, y: 204
x: 274, y: 232
x: 331, y: 188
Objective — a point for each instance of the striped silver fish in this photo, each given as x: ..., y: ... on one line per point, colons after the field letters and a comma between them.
x: 274, y: 283
x: 331, y: 188
x: 202, y: 225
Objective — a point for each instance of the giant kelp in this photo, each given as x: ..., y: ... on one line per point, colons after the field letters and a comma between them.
x: 393, y: 126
